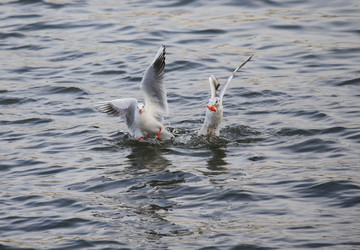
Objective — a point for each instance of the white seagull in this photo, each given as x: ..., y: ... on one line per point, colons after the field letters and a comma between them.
x: 214, y: 109
x: 146, y: 119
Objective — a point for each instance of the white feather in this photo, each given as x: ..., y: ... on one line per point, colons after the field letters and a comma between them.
x: 143, y: 120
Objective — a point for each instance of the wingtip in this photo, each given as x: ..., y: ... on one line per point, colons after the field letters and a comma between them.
x: 162, y: 49
x: 244, y: 62
x: 99, y: 104
x: 214, y: 81
x: 107, y: 107
x: 159, y: 59
x: 161, y: 52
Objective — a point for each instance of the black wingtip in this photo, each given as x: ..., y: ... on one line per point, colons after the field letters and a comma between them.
x: 160, y: 60
x: 163, y: 50
x: 108, y: 108
x: 217, y: 87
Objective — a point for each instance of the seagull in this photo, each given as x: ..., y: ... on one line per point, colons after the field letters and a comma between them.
x: 214, y: 109
x: 146, y: 119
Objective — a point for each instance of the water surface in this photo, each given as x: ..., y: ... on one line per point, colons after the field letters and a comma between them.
x: 283, y: 174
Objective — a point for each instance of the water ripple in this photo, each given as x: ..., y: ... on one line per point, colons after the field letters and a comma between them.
x: 282, y: 174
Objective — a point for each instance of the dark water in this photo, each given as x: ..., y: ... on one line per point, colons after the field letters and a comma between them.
x: 283, y: 174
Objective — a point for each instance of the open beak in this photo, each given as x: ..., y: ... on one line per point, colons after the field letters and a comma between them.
x: 212, y: 108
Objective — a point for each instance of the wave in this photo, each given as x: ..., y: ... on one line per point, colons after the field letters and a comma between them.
x: 28, y: 121
x: 334, y: 193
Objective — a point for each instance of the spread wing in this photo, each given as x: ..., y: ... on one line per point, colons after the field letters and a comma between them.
x: 152, y: 86
x: 222, y: 91
x: 214, y: 85
x: 125, y: 108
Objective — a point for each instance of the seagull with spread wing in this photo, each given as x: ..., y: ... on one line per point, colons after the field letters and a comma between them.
x: 214, y: 109
x: 146, y: 119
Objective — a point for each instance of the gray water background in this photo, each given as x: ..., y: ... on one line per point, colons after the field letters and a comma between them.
x: 284, y: 174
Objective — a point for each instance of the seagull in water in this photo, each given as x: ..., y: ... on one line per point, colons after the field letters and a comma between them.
x: 146, y: 119
x: 214, y: 109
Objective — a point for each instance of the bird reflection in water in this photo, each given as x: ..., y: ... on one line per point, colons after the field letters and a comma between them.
x: 148, y: 156
x: 217, y: 163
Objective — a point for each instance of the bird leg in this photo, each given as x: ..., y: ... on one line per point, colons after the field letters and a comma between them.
x: 158, y: 134
x: 142, y: 137
x: 214, y: 134
x: 207, y: 135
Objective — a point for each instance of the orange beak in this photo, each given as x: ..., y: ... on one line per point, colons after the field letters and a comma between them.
x: 212, y: 108
x: 140, y: 111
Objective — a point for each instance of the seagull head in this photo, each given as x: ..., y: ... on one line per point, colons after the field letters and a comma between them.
x: 140, y: 107
x: 213, y: 104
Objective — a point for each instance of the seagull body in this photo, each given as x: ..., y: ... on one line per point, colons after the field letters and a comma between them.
x: 214, y: 109
x: 144, y: 120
